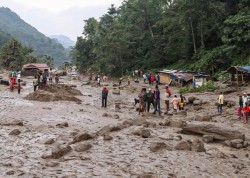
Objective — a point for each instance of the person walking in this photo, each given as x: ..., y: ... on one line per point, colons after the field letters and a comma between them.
x: 220, y: 102
x: 128, y: 80
x: 35, y: 83
x: 144, y: 104
x: 167, y: 97
x: 99, y: 81
x: 157, y: 99
x: 120, y: 81
x: 157, y: 79
x: 105, y: 92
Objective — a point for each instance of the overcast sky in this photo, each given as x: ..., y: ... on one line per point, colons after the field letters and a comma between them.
x: 59, y: 17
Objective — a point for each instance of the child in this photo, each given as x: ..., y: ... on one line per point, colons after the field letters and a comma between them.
x: 240, y: 107
x: 246, y: 110
x: 19, y: 87
x: 182, y: 102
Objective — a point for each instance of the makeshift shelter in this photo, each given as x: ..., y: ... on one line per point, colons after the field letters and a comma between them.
x: 165, y: 76
x: 239, y: 74
x: 200, y: 79
x: 34, y: 68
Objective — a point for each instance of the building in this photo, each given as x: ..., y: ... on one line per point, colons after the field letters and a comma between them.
x: 239, y: 74
x: 34, y: 68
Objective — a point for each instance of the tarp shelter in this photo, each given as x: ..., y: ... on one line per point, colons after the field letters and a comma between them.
x: 239, y: 74
x: 165, y: 76
x: 33, y: 68
x: 200, y: 79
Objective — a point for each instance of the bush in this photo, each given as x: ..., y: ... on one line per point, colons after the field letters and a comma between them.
x: 209, y: 86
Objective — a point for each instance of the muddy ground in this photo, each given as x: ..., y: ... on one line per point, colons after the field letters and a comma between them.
x: 70, y: 139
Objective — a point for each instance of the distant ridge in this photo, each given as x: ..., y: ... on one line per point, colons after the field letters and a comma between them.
x: 64, y: 40
x: 12, y: 24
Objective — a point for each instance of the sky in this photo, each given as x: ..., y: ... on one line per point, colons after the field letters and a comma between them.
x: 59, y: 17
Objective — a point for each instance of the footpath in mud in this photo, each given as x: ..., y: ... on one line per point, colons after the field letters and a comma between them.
x: 47, y: 133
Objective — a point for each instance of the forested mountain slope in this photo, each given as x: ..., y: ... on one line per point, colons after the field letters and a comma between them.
x: 30, y: 37
x: 207, y: 35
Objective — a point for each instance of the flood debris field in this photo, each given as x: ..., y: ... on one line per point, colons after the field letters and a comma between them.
x: 58, y: 137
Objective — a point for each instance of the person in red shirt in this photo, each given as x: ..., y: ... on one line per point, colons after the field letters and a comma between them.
x: 246, y: 110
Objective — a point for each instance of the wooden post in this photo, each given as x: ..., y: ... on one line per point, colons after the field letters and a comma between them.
x: 242, y: 77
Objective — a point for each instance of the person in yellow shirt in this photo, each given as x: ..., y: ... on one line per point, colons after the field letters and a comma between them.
x: 220, y: 102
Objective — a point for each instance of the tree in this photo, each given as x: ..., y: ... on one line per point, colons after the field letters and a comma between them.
x: 12, y: 55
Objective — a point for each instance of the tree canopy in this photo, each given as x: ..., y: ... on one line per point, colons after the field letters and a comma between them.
x: 187, y: 34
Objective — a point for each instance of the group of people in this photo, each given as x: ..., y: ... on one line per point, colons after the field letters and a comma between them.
x: 244, y: 107
x: 40, y: 80
x: 15, y: 78
x: 151, y: 78
x: 146, y: 99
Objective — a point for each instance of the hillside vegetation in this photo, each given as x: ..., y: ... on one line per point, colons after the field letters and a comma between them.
x: 12, y: 26
x: 188, y: 34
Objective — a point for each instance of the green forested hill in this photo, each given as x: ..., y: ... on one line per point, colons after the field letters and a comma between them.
x: 207, y: 35
x: 12, y: 24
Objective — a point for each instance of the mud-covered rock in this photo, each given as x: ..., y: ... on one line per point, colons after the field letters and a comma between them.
x: 146, y: 175
x: 228, y: 143
x: 158, y: 146
x: 81, y: 136
x: 208, y: 138
x: 191, y: 99
x: 183, y: 145
x: 145, y: 133
x: 140, y: 122
x: 197, y: 146
x: 107, y: 137
x: 15, y: 132
x: 205, y: 118
x: 235, y: 142
x: 109, y: 128
x: 197, y: 102
x: 62, y: 125
x: 60, y: 150
x: 80, y: 147
x: 49, y: 141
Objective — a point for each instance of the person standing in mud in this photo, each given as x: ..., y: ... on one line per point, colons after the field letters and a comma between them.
x: 128, y: 80
x: 246, y: 111
x: 57, y: 79
x: 220, y: 103
x: 140, y: 96
x: 157, y: 98
x: 19, y: 87
x: 182, y: 103
x: 144, y: 105
x: 105, y: 92
x: 35, y: 83
x: 99, y: 81
x: 239, y: 111
x: 150, y: 99
x: 175, y: 102
x: 120, y: 81
x: 167, y: 97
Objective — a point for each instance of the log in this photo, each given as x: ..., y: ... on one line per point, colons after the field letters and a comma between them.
x: 221, y: 133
